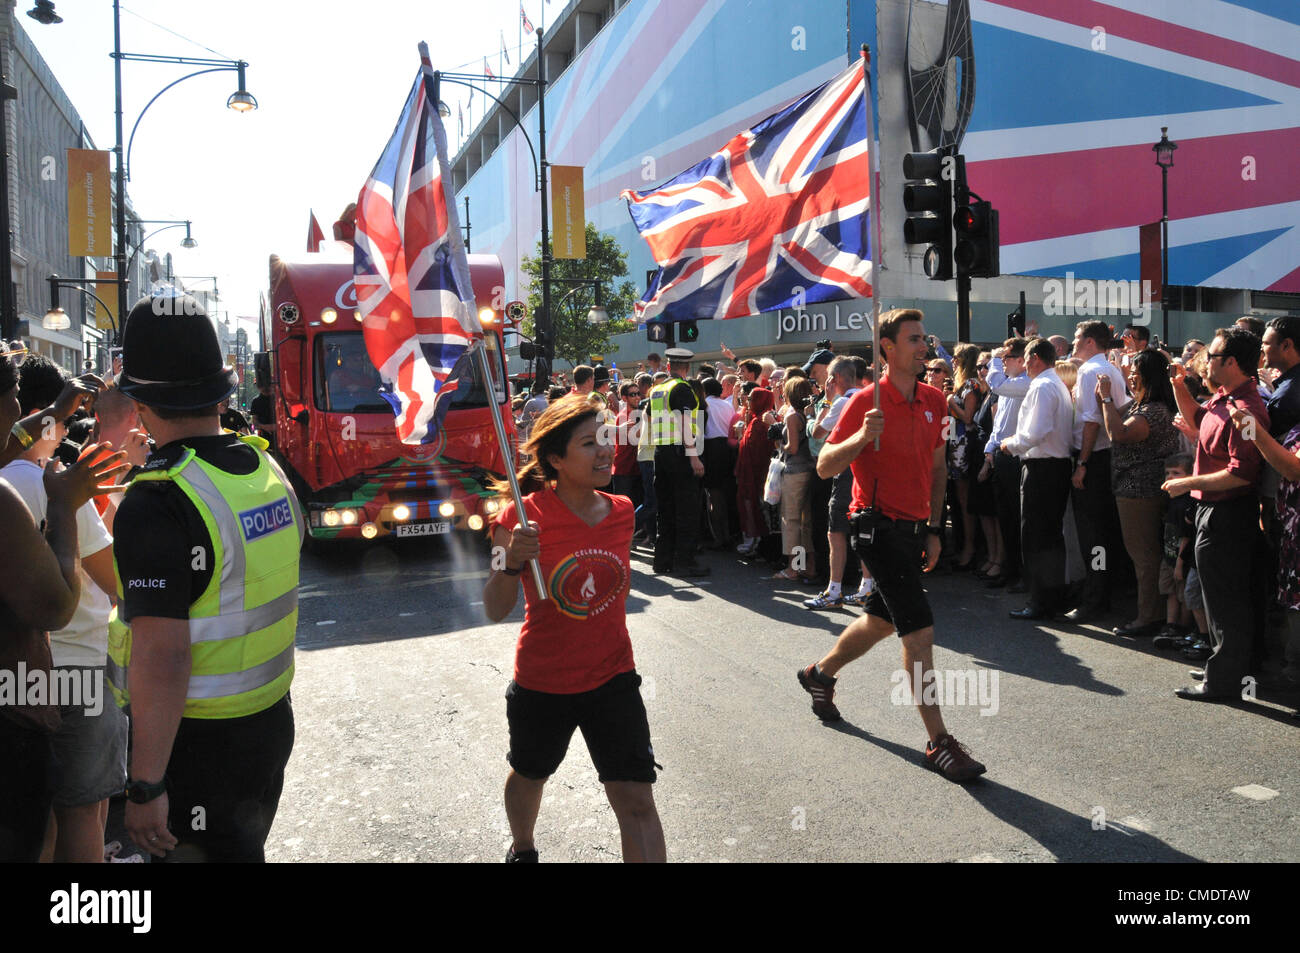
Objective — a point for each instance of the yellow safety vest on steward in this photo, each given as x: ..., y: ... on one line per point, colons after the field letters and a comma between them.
x: 666, y: 424
x: 242, y: 626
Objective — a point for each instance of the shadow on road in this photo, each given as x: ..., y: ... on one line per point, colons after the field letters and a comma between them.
x: 360, y: 592
x: 1068, y: 837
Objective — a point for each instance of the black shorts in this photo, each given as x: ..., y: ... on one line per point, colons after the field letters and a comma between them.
x: 894, y: 556
x: 613, y: 722
x: 841, y: 496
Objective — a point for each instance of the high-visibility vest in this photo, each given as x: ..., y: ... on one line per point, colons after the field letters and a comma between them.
x: 242, y: 626
x: 666, y: 426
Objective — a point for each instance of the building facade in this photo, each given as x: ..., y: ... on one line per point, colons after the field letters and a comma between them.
x: 42, y: 124
x: 1059, y: 140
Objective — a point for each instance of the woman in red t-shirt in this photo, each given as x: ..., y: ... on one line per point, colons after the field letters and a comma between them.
x: 573, y: 663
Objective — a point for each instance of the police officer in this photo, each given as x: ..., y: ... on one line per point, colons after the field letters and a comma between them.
x: 678, y: 438
x: 206, y: 552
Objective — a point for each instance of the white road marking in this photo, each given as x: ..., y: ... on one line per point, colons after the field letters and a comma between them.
x: 1256, y: 792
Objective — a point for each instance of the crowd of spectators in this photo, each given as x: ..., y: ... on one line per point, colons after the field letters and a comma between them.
x: 1107, y: 479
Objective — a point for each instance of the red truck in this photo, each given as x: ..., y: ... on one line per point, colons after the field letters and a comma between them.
x: 334, y: 430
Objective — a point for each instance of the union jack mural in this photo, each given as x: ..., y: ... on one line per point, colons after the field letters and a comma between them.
x: 1059, y: 140
x: 1071, y: 95
x: 412, y: 276
x: 779, y: 214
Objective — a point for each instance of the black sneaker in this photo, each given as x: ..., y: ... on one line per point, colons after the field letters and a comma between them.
x: 523, y: 857
x: 1198, y: 651
x: 950, y: 758
x: 822, y: 691
x: 1170, y: 637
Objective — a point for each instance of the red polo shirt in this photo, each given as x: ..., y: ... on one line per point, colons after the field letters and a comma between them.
x: 1222, y: 447
x: 898, y: 476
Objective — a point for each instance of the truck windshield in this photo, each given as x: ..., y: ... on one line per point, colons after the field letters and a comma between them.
x: 346, y: 381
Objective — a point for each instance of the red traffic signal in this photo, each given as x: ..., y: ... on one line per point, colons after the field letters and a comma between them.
x: 976, y: 249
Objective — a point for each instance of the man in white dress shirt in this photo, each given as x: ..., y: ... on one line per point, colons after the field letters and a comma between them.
x: 1042, y: 441
x: 1096, y: 518
x: 1008, y: 380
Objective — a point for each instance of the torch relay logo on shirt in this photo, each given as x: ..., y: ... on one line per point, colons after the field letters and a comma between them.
x: 587, y: 582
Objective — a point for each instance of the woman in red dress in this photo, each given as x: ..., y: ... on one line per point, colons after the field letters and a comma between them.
x: 751, y: 469
x: 573, y: 663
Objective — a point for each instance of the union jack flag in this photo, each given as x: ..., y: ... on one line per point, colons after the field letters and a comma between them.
x: 526, y: 23
x: 487, y: 70
x: 779, y: 215
x: 411, y: 273
x: 1069, y: 161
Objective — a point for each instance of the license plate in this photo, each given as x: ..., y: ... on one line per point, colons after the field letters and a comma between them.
x: 436, y: 528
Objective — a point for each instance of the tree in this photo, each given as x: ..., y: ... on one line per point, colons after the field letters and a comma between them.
x: 575, y: 339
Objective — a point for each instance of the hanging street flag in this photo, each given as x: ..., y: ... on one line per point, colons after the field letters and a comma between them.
x: 460, y: 122
x: 314, y: 235
x: 487, y: 70
x: 568, y: 205
x: 779, y: 216
x: 1150, y: 262
x: 411, y: 273
x: 524, y: 21
x: 503, y: 46
x: 90, y: 203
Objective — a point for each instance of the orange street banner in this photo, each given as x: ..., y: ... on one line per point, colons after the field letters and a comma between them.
x: 107, y: 294
x: 90, y: 203
x: 569, y: 238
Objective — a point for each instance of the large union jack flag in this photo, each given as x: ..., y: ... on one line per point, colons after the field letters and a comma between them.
x: 1067, y: 159
x: 778, y: 216
x: 412, y: 276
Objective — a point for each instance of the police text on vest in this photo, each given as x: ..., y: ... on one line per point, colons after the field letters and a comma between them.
x: 266, y: 519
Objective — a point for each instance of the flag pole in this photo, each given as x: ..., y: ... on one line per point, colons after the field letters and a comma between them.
x: 877, y: 247
x: 485, y: 369
x: 432, y: 82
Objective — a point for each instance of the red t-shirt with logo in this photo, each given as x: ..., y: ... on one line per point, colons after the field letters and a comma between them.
x: 576, y: 639
x: 897, y: 475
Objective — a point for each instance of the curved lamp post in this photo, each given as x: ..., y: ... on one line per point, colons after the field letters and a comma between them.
x: 186, y: 242
x: 543, y: 323
x: 240, y: 101
x: 56, y: 319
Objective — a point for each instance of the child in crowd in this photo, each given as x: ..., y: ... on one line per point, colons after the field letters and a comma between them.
x: 1178, y: 576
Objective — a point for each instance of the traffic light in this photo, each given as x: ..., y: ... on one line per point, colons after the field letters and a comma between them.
x: 928, y: 199
x: 659, y: 332
x: 1016, y: 320
x: 976, y: 250
x: 690, y: 332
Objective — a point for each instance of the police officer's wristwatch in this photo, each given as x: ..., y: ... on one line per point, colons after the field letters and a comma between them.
x: 142, y: 792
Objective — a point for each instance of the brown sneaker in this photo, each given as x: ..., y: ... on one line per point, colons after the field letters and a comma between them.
x: 822, y: 691
x: 951, y: 759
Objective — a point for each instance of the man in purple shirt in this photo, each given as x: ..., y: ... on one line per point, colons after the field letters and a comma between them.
x: 1225, y: 480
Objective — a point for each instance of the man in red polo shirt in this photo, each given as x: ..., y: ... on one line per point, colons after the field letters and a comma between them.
x: 1225, y: 482
x: 897, y: 501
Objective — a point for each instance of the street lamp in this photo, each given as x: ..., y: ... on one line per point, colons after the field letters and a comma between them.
x: 56, y: 319
x: 167, y: 223
x: 597, y: 314
x: 1164, y: 150
x: 240, y: 101
x: 544, y: 333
